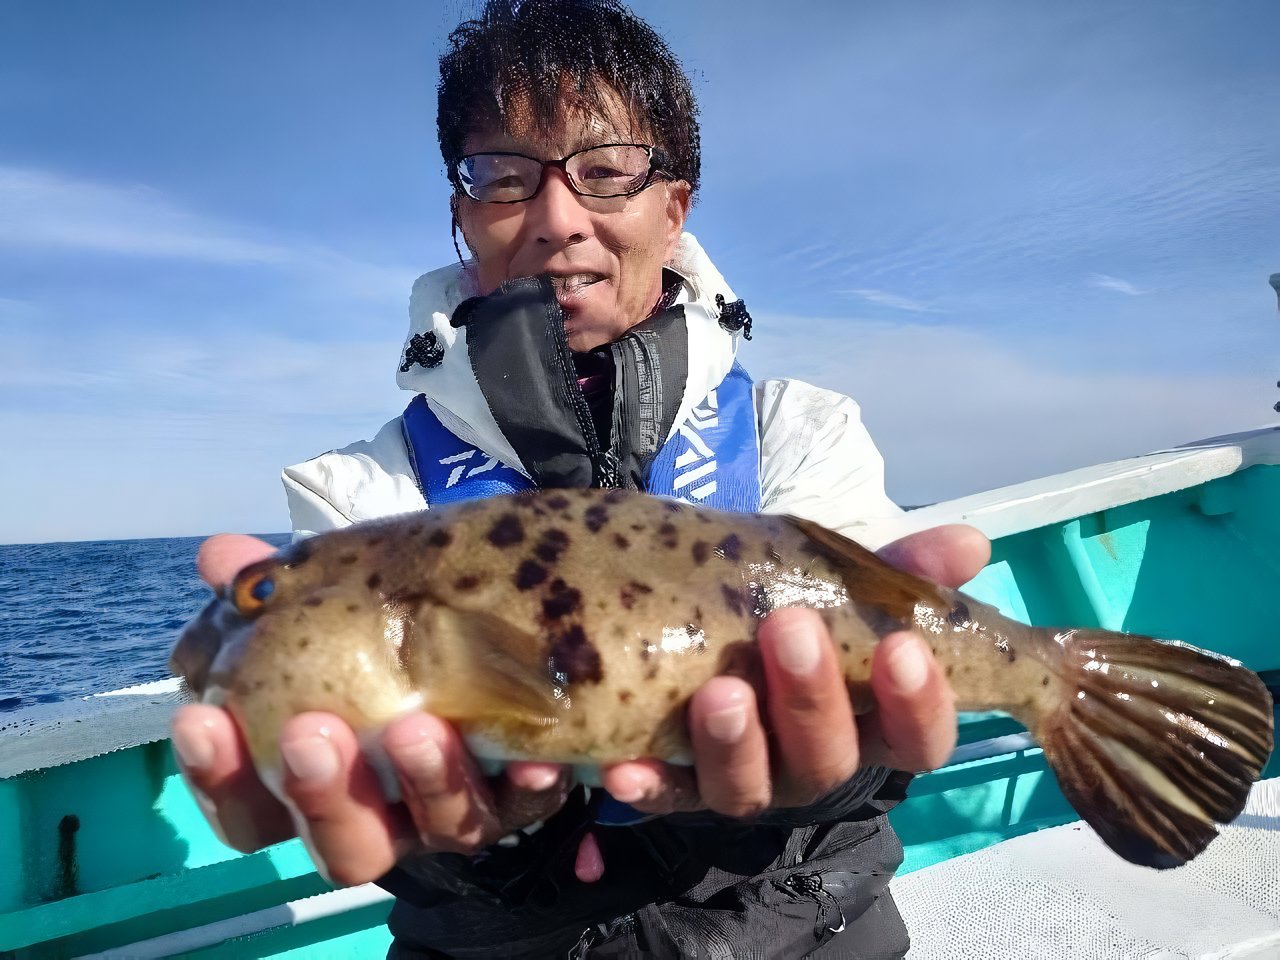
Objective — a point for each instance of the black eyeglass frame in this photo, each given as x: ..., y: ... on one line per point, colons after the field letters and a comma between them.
x: 657, y: 161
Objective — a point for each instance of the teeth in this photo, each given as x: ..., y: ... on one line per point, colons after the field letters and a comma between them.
x: 575, y: 282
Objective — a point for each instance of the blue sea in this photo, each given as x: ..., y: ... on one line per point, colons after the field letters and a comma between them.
x: 82, y: 618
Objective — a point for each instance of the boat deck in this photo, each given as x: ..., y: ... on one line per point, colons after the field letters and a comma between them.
x: 1062, y: 893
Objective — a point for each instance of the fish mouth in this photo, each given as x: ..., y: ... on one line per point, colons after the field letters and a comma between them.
x: 200, y: 643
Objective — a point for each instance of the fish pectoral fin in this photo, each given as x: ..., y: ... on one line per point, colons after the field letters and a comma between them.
x: 491, y: 671
x: 866, y: 575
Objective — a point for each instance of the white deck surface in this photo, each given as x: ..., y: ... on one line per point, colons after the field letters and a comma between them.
x: 1061, y: 893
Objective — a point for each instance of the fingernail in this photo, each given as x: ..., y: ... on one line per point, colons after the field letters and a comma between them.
x: 423, y: 755
x: 800, y: 650
x: 540, y: 779
x: 310, y: 759
x: 194, y: 747
x: 626, y: 788
x: 908, y: 666
x: 727, y: 725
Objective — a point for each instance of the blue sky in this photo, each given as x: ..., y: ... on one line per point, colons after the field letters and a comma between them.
x: 1044, y: 239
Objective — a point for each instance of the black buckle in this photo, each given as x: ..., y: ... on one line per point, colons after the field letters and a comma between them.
x: 734, y: 316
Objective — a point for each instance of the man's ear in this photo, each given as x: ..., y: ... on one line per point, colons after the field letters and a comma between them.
x: 679, y: 197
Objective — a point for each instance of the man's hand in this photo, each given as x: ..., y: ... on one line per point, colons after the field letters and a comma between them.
x: 339, y: 809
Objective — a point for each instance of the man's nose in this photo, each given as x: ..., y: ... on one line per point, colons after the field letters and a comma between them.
x: 556, y: 215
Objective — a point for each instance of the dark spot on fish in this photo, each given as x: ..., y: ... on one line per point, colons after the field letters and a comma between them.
x: 563, y: 601
x: 614, y: 497
x: 507, y: 532
x: 353, y: 608
x: 631, y: 591
x: 959, y: 615
x: 558, y: 501
x: 865, y: 661
x: 530, y: 574
x: 348, y: 558
x: 624, y: 696
x: 621, y: 542
x: 701, y: 550
x: 1044, y: 681
x: 772, y: 553
x: 596, y: 517
x: 697, y: 613
x: 844, y: 647
x: 287, y: 678
x: 551, y: 545
x: 440, y: 539
x: 313, y: 601
x: 668, y: 534
x: 573, y: 658
x: 468, y: 581
x: 374, y: 581
x: 673, y: 695
x: 671, y: 506
x: 637, y: 528
x: 373, y: 542
x: 579, y: 722
x: 651, y: 673
x: 304, y: 643
x: 950, y: 669
x: 1012, y: 654
x: 328, y: 686
x: 734, y: 600
x: 730, y: 548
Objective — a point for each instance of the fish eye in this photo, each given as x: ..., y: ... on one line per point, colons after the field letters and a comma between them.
x: 251, y: 590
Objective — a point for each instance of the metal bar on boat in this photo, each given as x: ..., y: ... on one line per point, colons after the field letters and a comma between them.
x: 291, y: 914
x: 994, y: 747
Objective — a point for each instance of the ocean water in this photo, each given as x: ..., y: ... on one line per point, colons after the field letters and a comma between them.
x: 82, y: 618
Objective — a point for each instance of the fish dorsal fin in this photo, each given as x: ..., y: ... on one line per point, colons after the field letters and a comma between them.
x: 868, y: 578
x: 484, y: 668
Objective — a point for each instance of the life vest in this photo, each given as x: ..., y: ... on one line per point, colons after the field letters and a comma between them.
x: 712, y: 460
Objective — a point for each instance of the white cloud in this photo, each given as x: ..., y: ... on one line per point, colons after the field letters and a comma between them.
x: 956, y: 410
x: 1105, y: 281
x: 882, y: 298
x: 45, y: 211
x: 179, y: 436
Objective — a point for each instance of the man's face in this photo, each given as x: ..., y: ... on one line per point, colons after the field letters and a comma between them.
x: 605, y: 255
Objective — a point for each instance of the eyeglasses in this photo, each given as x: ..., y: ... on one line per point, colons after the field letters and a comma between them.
x: 609, y: 170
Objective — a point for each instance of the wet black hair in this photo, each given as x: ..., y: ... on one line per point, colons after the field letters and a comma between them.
x: 543, y: 49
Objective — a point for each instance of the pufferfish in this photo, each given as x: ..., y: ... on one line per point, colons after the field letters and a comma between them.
x: 572, y: 626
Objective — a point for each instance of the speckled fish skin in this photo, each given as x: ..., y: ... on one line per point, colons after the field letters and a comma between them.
x: 573, y: 626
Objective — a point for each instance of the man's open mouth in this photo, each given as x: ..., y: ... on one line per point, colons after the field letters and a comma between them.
x: 569, y: 285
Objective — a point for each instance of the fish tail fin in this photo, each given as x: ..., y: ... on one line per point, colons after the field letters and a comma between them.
x: 1153, y: 742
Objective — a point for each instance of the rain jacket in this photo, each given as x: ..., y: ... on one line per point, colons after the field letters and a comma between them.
x: 794, y: 883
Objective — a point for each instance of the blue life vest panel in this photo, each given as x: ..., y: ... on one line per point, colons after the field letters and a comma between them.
x: 713, y: 459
